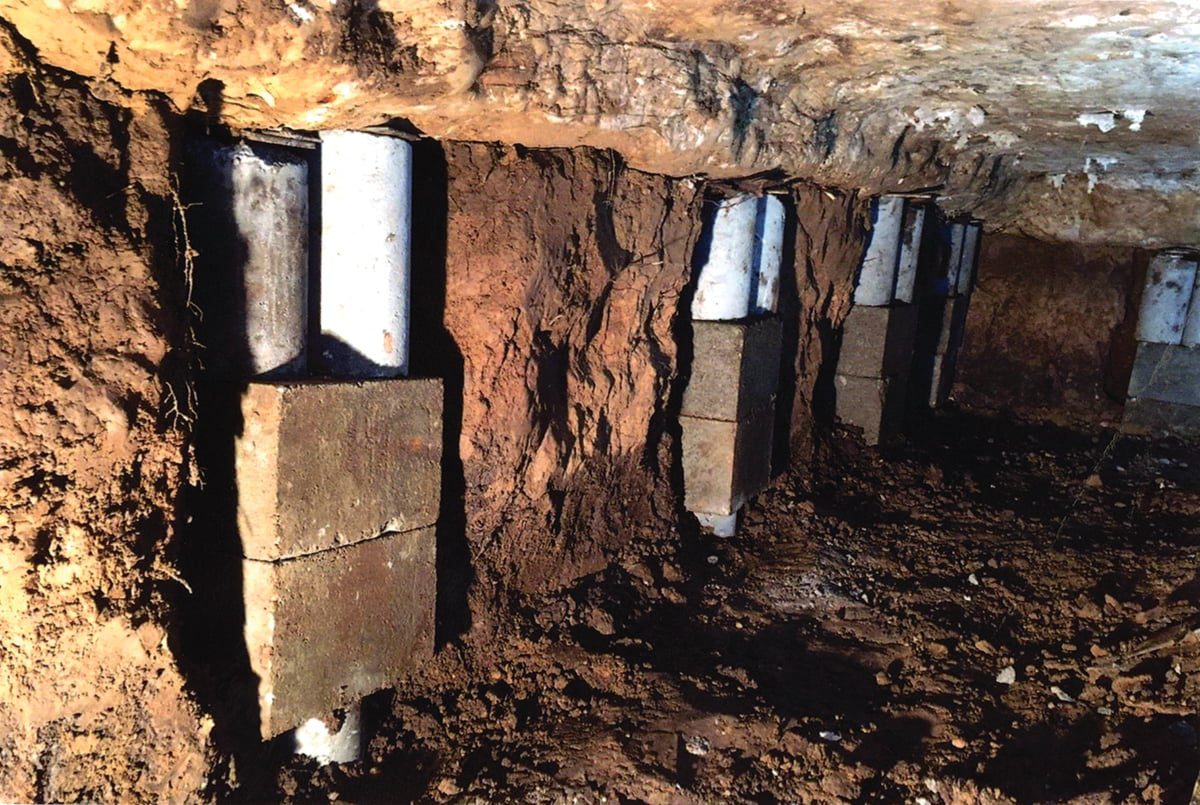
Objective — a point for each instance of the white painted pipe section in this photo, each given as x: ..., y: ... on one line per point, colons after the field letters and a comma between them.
x: 724, y: 282
x: 958, y: 233
x: 910, y: 252
x: 254, y: 239
x: 1191, y: 329
x: 1168, y: 291
x: 314, y: 740
x: 970, y: 257
x: 721, y: 525
x: 366, y: 232
x: 877, y: 277
x: 769, y: 255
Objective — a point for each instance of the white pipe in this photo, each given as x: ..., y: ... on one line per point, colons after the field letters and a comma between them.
x: 1191, y: 329
x: 1169, y: 284
x: 958, y: 233
x: 723, y: 285
x: 877, y: 277
x: 366, y: 230
x: 721, y: 525
x: 970, y: 257
x: 769, y: 255
x: 254, y: 233
x: 910, y: 252
x: 314, y: 740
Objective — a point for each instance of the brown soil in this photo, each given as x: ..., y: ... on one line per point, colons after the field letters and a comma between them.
x: 92, y: 705
x: 1052, y: 328
x: 849, y: 644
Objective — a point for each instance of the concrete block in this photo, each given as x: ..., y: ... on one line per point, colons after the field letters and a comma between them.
x: 1167, y: 373
x: 1165, y: 298
x: 874, y: 404
x: 324, y: 630
x: 878, y: 341
x: 735, y: 368
x: 320, y: 464
x: 726, y: 463
x: 1160, y: 418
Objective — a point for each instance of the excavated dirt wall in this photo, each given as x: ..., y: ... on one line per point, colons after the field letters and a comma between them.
x: 1051, y: 327
x: 548, y: 294
x: 92, y: 706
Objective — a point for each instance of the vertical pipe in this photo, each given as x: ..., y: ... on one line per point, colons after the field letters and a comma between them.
x: 1169, y: 285
x: 877, y: 277
x: 252, y: 224
x: 1191, y: 329
x: 948, y: 285
x: 910, y: 252
x: 970, y: 257
x: 723, y: 285
x: 768, y: 255
x: 366, y: 228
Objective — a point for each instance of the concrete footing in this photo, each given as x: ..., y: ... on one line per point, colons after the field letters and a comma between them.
x: 344, y: 745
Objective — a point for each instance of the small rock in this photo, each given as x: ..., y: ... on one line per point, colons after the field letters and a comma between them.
x: 448, y: 787
x: 1093, y: 481
x: 973, y: 579
x: 958, y: 743
x: 830, y: 735
x: 697, y: 745
x: 712, y: 559
x: 1007, y: 676
x: 1061, y: 694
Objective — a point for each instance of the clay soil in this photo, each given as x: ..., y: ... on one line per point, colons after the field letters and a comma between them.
x: 998, y: 611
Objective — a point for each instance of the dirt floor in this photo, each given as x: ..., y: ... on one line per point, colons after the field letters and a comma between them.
x: 1000, y: 611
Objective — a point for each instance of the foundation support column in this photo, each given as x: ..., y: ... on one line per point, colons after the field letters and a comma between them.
x: 875, y: 359
x: 1164, y: 387
x: 729, y: 404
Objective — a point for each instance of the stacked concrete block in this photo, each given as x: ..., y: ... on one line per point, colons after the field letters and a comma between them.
x: 1164, y: 387
x: 875, y: 358
x: 728, y: 409
x: 338, y: 494
x: 729, y: 412
x: 945, y: 307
